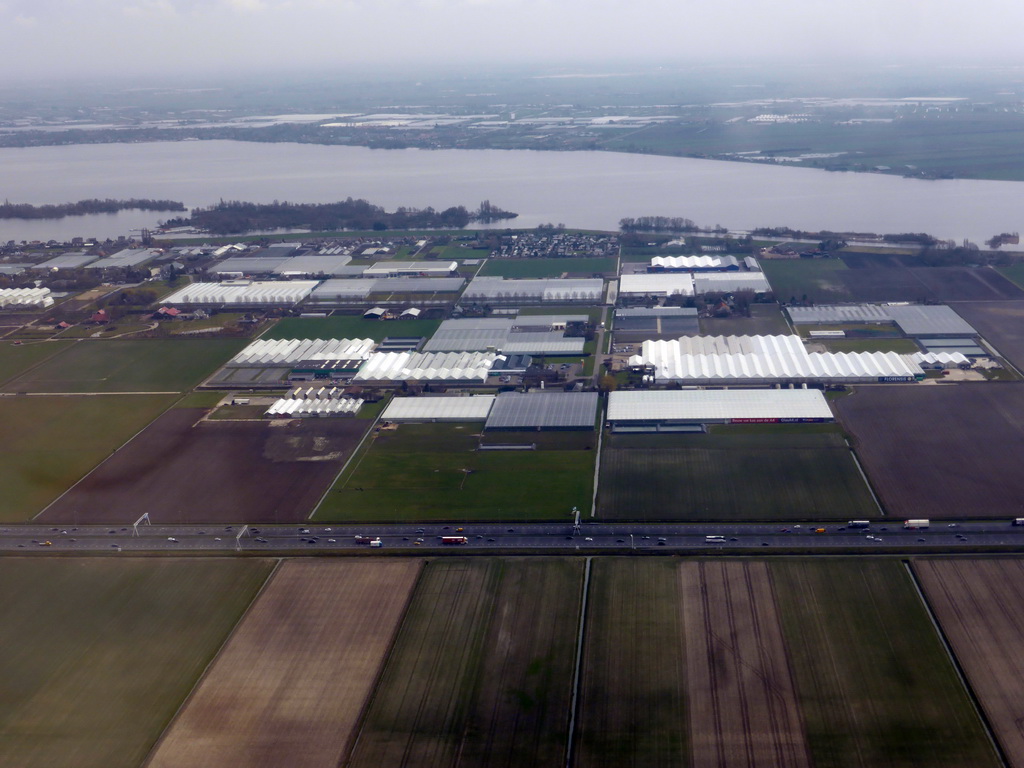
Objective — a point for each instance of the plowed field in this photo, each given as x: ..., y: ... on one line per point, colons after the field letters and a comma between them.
x: 743, y: 708
x: 289, y: 687
x: 980, y: 605
x: 941, y: 451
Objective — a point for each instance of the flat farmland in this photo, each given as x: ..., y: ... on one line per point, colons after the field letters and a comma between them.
x: 874, y: 681
x: 118, y: 365
x: 186, y: 470
x: 980, y: 605
x: 743, y: 707
x: 820, y: 280
x: 51, y: 442
x: 967, y: 283
x: 731, y: 477
x: 434, y: 472
x: 99, y: 653
x: 885, y: 284
x: 947, y: 451
x: 633, y: 704
x: 481, y: 671
x: 290, y: 685
x: 1001, y: 323
x: 16, y: 359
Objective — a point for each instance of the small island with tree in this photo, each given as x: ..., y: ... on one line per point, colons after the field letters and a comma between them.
x: 9, y: 210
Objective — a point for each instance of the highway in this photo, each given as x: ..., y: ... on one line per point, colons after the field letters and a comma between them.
x: 553, y: 538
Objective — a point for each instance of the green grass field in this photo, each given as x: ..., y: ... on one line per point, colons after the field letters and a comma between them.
x: 1014, y: 273
x: 99, y: 653
x: 349, y: 327
x: 15, y: 359
x: 632, y: 709
x: 481, y: 670
x: 53, y: 441
x: 547, y: 267
x: 731, y: 476
x: 433, y: 472
x: 157, y: 365
x: 876, y: 685
x: 814, y: 278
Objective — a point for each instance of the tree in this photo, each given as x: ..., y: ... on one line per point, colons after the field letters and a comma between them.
x: 608, y: 383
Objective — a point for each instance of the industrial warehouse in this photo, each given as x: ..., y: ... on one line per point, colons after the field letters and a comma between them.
x: 689, y: 410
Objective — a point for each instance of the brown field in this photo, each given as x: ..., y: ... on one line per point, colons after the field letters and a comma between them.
x: 743, y: 707
x: 181, y: 469
x: 967, y: 283
x: 290, y: 685
x: 980, y: 605
x: 632, y: 707
x: 940, y: 451
x: 1001, y: 323
x: 482, y: 671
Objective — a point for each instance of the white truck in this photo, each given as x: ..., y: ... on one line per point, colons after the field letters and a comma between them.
x: 915, y: 525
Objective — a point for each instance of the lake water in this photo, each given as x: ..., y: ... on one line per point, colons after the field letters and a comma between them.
x: 579, y: 189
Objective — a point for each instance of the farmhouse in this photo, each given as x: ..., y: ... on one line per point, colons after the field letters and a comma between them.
x: 681, y: 410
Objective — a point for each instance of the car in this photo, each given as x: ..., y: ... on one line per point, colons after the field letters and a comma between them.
x: 951, y: 525
x: 216, y: 538
x: 419, y: 541
x: 620, y: 541
x: 568, y: 538
x: 46, y: 544
x: 733, y: 539
x: 416, y: 543
x: 303, y: 530
x: 21, y: 545
x: 201, y: 532
x: 116, y: 546
x: 511, y: 530
x: 327, y: 530
x: 661, y: 543
x: 784, y: 530
x: 459, y: 530
x: 332, y: 541
x: 111, y: 531
x: 920, y: 539
x: 171, y: 538
x: 491, y: 540
x: 764, y: 543
x: 589, y: 538
x: 420, y: 530
x: 661, y: 538
x: 405, y: 538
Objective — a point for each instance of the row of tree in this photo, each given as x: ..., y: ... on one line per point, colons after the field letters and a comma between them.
x: 9, y: 210
x: 657, y: 224
x: 236, y: 217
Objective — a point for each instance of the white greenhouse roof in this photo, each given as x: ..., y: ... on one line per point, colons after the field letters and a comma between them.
x: 730, y: 282
x: 70, y: 260
x: 280, y: 293
x: 426, y: 408
x: 311, y: 264
x: 129, y: 257
x: 542, y: 343
x: 656, y: 284
x: 25, y: 297
x: 300, y: 407
x: 426, y: 366
x: 839, y: 313
x: 552, y: 289
x: 412, y: 267
x: 288, y: 351
x: 941, y: 358
x: 695, y: 262
x: 764, y: 358
x: 697, y: 405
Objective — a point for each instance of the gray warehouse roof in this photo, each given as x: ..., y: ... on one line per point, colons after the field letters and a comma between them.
x: 247, y: 265
x: 312, y: 264
x: 543, y: 410
x: 68, y: 261
x: 930, y: 320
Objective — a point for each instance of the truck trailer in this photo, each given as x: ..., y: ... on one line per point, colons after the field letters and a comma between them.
x: 454, y: 540
x: 916, y: 524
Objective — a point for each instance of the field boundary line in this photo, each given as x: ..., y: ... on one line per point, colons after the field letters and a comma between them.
x: 31, y: 368
x: 961, y: 675
x: 357, y: 452
x: 101, y: 462
x: 345, y: 758
x: 579, y: 663
x: 597, y: 462
x: 864, y: 477
x: 206, y: 670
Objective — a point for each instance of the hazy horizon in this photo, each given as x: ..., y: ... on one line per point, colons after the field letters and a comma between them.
x: 74, y: 39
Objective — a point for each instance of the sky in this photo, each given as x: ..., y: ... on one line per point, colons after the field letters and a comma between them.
x: 73, y: 38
